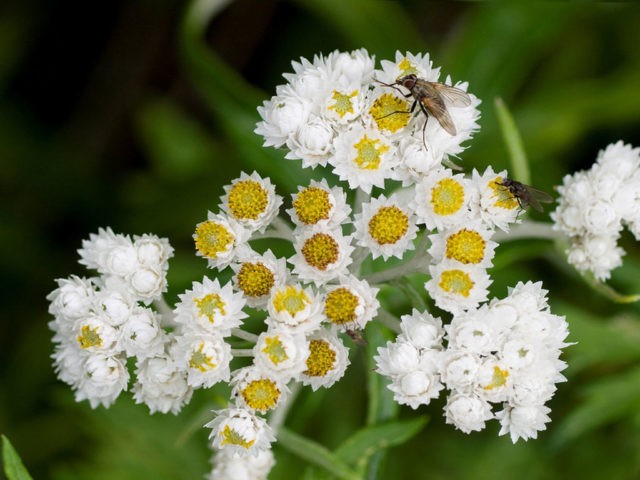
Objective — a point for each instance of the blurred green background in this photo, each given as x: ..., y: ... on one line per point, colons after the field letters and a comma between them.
x: 134, y: 114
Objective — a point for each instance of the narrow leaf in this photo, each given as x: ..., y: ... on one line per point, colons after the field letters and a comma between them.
x: 513, y: 141
x: 13, y: 467
x: 315, y: 454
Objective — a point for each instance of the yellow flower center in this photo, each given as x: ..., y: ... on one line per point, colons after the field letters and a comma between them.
x: 255, y: 279
x: 320, y: 251
x: 388, y: 225
x: 213, y: 238
x: 340, y: 306
x: 465, y: 246
x: 200, y: 360
x: 261, y: 394
x: 390, y: 112
x: 247, y: 200
x: 343, y: 103
x: 406, y: 67
x: 291, y: 299
x: 210, y: 305
x: 232, y: 437
x: 312, y: 205
x: 499, y: 379
x: 456, y: 281
x: 274, y: 349
x: 368, y: 157
x: 321, y: 359
x: 89, y: 337
x: 447, y: 196
x: 504, y: 198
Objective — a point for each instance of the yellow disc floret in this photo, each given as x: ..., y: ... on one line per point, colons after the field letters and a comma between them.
x: 233, y: 437
x: 200, y: 360
x: 291, y: 300
x: 447, y: 196
x: 504, y: 198
x: 457, y: 282
x: 320, y: 251
x: 210, y: 305
x: 312, y: 205
x: 499, y: 379
x: 369, y: 152
x: 89, y: 337
x: 274, y: 349
x: 247, y: 200
x: 390, y: 112
x: 213, y: 238
x: 340, y: 306
x: 321, y: 359
x: 255, y: 279
x: 406, y: 68
x: 388, y: 225
x: 343, y: 103
x: 465, y: 246
x: 261, y: 395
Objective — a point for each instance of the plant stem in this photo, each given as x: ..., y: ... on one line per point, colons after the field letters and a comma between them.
x: 248, y: 336
x: 242, y: 352
x: 529, y: 229
x: 389, y: 321
x: 280, y: 414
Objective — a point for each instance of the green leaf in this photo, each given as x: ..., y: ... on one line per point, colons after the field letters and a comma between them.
x: 315, y: 454
x: 513, y: 141
x: 358, y: 448
x: 13, y: 466
x: 381, y: 405
x: 615, y: 398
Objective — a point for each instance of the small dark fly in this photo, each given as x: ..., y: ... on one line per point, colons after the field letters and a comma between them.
x: 433, y: 99
x: 526, y: 195
x: 356, y: 336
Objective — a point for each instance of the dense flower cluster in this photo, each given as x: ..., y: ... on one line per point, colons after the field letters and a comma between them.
x: 332, y: 111
x: 596, y: 204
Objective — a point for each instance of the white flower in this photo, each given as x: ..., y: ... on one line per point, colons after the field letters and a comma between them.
x: 295, y: 308
x: 104, y: 378
x: 319, y: 204
x: 161, y: 385
x: 144, y: 283
x: 282, y: 116
x: 69, y: 363
x: 422, y: 330
x: 327, y: 361
x: 205, y: 358
x: 321, y: 254
x: 235, y: 466
x: 152, y: 251
x: 312, y: 143
x: 258, y: 389
x: 343, y: 103
x: 471, y: 333
x: 420, y: 386
x: 73, y: 298
x: 99, y: 247
x: 457, y: 287
x: 350, y: 304
x: 257, y: 275
x: 443, y: 200
x: 459, y: 369
x: 210, y: 308
x: 363, y: 158
x: 416, y: 161
x: 352, y: 67
x: 467, y: 413
x: 237, y: 430
x: 251, y: 201
x: 397, y: 358
x: 95, y: 335
x: 114, y: 305
x: 141, y: 335
x: 494, y: 380
x: 523, y: 421
x: 497, y: 205
x: 386, y: 227
x: 220, y: 240
x: 281, y: 352
x: 470, y: 244
x: 599, y: 254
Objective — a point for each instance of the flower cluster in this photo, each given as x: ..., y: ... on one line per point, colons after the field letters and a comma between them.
x: 100, y: 321
x: 339, y: 111
x: 595, y: 205
x: 505, y: 352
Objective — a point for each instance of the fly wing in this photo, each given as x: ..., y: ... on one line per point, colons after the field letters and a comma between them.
x: 452, y: 95
x: 536, y: 197
x: 437, y: 108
